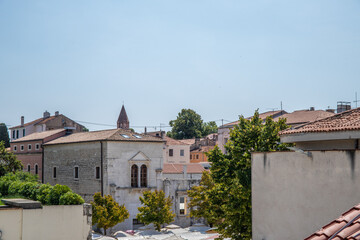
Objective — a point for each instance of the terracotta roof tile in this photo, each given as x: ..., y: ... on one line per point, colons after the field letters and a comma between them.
x: 188, y: 141
x: 171, y: 141
x: 109, y: 135
x: 345, y: 121
x: 349, y: 232
x: 38, y: 135
x: 179, y: 168
x: 305, y: 116
x: 29, y: 123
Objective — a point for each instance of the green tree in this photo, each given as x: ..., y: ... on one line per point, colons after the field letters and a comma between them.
x: 231, y: 174
x: 156, y: 209
x: 209, y: 127
x: 107, y: 212
x: 189, y: 124
x: 4, y: 135
x: 8, y: 161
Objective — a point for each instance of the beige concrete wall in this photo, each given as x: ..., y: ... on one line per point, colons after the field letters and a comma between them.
x: 295, y: 194
x: 176, y: 158
x: 50, y: 222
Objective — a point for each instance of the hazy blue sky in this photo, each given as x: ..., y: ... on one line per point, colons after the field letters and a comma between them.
x: 221, y: 58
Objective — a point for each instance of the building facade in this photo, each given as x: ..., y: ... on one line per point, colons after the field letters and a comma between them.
x: 29, y: 150
x: 305, y: 188
x: 46, y: 123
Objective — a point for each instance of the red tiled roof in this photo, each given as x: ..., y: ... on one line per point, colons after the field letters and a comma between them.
x: 345, y: 121
x: 350, y: 232
x: 179, y: 168
x: 262, y: 116
x: 305, y: 116
x: 29, y: 123
x: 171, y: 141
x: 38, y: 135
x: 188, y: 141
x: 203, y: 149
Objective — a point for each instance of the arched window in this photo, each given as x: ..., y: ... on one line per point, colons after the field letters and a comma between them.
x: 143, y: 176
x: 28, y: 167
x: 36, y: 169
x: 134, y: 176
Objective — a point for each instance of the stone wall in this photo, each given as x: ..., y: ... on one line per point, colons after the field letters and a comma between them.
x: 65, y: 157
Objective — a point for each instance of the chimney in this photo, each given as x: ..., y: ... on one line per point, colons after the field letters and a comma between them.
x: 145, y: 131
x: 46, y: 114
x: 22, y: 120
x: 162, y: 134
x: 57, y: 113
x: 185, y: 171
x: 312, y: 109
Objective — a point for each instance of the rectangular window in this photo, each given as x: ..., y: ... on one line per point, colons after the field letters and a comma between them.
x: 15, y: 148
x: 76, y: 172
x: 17, y: 133
x: 182, y: 206
x: 197, y: 156
x: 36, y: 169
x: 37, y: 146
x: 24, y: 132
x: 13, y: 133
x: 182, y: 152
x: 54, y: 172
x: 29, y: 146
x: 21, y: 147
x: 190, y: 156
x: 171, y: 152
x: 97, y: 172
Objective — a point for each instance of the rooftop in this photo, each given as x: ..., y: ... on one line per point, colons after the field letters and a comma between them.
x: 38, y: 135
x: 345, y: 121
x: 179, y: 168
x: 348, y: 223
x: 105, y: 135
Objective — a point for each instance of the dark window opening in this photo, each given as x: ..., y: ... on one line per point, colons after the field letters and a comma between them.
x: 171, y: 152
x: 143, y: 176
x: 17, y: 133
x: 54, y: 172
x: 24, y: 132
x: 28, y: 167
x: 97, y: 173
x: 134, y: 176
x: 36, y: 169
x: 76, y: 172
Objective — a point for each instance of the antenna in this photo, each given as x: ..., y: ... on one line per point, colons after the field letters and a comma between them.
x: 281, y: 105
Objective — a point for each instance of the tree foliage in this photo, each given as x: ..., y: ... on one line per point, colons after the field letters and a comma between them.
x: 107, y: 212
x: 8, y: 161
x: 4, y: 135
x: 189, y: 124
x: 156, y: 209
x: 228, y: 200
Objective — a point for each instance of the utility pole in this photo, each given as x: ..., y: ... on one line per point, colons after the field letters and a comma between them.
x: 356, y: 100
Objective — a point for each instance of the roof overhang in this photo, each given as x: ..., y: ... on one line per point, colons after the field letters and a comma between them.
x: 319, y: 136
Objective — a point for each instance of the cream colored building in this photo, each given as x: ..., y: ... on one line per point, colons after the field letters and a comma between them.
x: 295, y: 193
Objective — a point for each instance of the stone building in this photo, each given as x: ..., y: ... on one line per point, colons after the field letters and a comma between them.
x: 117, y: 162
x: 177, y: 179
x: 47, y: 122
x: 305, y: 188
x: 29, y: 149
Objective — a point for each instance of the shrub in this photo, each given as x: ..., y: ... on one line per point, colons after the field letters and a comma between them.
x: 71, y: 198
x: 28, y: 189
x: 56, y: 192
x: 14, y: 188
x: 42, y: 193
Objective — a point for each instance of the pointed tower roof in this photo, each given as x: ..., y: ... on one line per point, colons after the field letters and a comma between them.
x: 123, y: 121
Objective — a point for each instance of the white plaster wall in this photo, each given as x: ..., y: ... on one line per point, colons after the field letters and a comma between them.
x: 222, y: 134
x: 51, y: 222
x: 176, y: 158
x: 119, y: 158
x: 294, y: 195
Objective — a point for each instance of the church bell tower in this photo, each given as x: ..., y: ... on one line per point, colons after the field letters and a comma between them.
x: 123, y: 121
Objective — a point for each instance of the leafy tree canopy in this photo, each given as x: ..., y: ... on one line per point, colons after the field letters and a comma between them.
x: 189, y: 124
x: 226, y: 192
x: 4, y: 135
x: 107, y: 212
x: 8, y: 161
x: 156, y: 209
